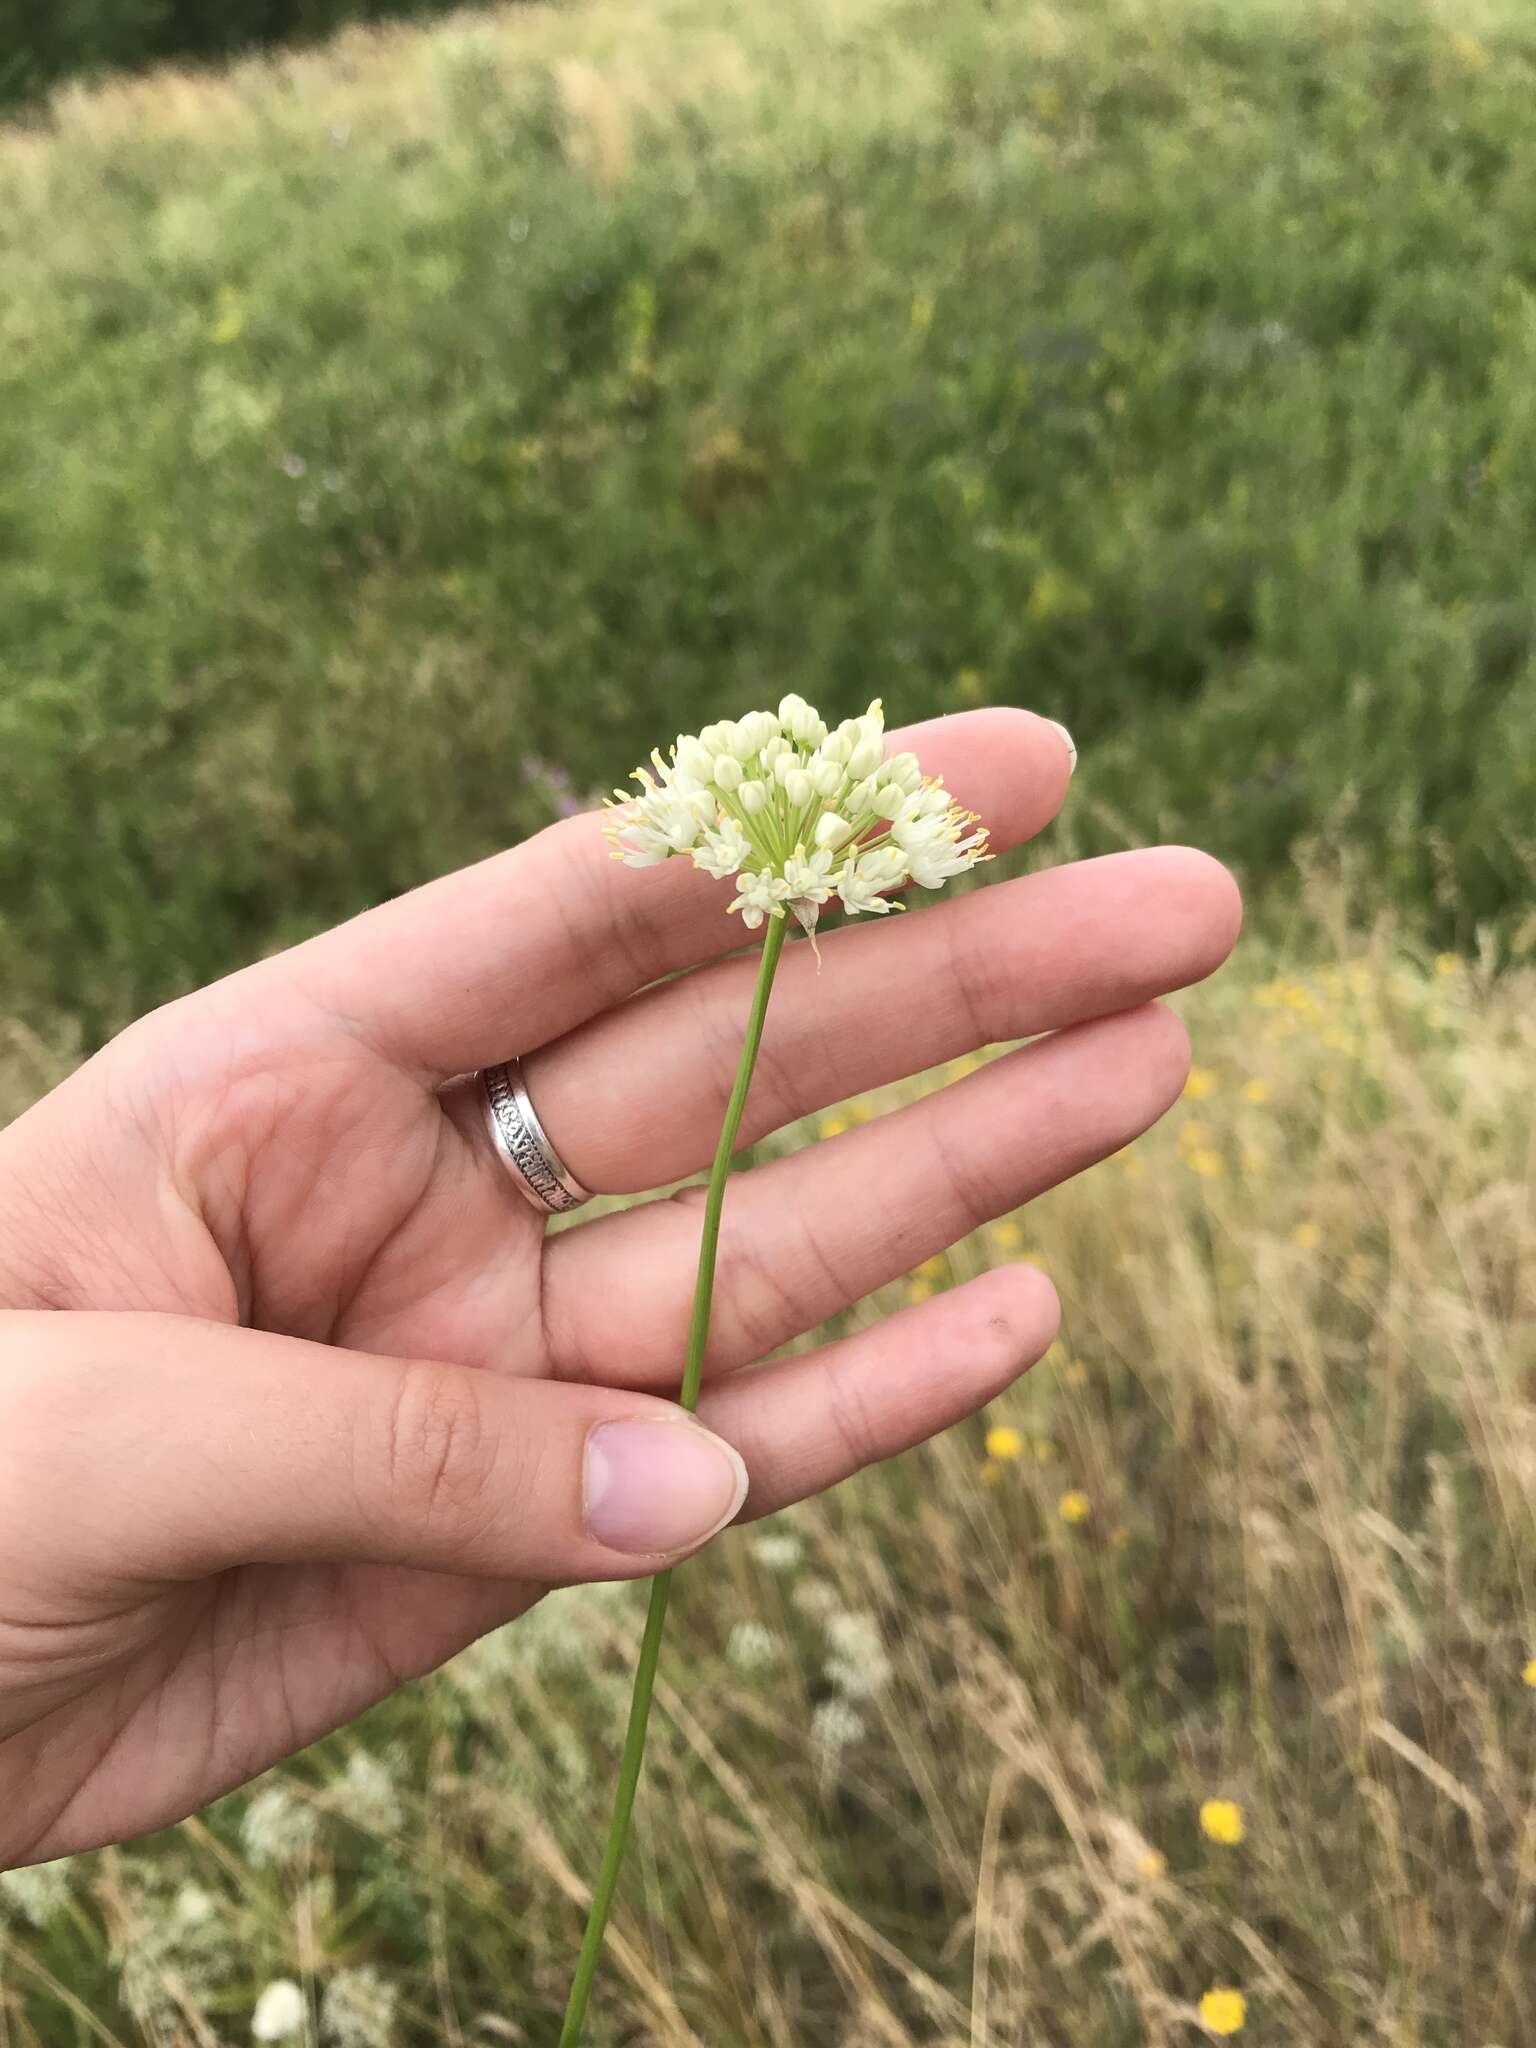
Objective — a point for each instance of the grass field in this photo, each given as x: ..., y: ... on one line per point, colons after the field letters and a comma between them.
x: 933, y: 1752
x: 388, y: 435
x: 395, y: 441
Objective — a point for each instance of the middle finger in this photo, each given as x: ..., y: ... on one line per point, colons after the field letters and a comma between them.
x: 635, y: 1098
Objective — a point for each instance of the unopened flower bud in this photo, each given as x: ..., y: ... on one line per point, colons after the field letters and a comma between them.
x: 727, y: 772
x: 837, y: 747
x: 832, y: 831
x: 790, y: 708
x: 785, y: 765
x: 694, y: 760
x: 826, y: 776
x: 861, y: 797
x: 902, y: 769
x: 753, y: 797
x: 758, y: 728
x: 866, y: 758
x: 797, y: 786
x: 890, y: 801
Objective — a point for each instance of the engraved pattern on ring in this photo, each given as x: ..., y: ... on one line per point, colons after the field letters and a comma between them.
x: 527, y: 1151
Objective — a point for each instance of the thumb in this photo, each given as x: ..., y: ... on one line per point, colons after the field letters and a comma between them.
x: 138, y: 1446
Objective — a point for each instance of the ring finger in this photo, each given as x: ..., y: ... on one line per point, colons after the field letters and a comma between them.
x: 805, y: 1236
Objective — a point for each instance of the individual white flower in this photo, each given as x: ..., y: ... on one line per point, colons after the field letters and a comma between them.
x: 365, y: 1794
x: 861, y: 883
x: 751, y: 1646
x: 762, y: 895
x: 950, y: 857
x: 280, y: 2011
x: 809, y: 882
x: 640, y: 844
x: 858, y: 1667
x: 772, y: 797
x: 834, y: 1725
x: 780, y: 1550
x: 277, y: 1827
x: 358, y: 2010
x: 37, y: 1891
x: 723, y: 852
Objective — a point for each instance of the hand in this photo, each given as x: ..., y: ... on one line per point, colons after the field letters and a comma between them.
x: 327, y: 1402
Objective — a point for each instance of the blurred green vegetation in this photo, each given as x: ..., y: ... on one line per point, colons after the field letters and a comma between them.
x: 392, y: 434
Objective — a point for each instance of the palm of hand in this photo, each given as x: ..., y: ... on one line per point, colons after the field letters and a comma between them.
x: 279, y: 1153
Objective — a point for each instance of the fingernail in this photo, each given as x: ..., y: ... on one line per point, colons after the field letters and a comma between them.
x: 1066, y: 740
x: 655, y: 1487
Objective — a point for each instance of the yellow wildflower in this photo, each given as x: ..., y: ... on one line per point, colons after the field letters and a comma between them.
x: 922, y: 314
x: 1208, y: 1164
x: 1256, y: 1090
x: 1074, y: 1506
x: 831, y: 1127
x: 1193, y: 1132
x: 1134, y: 1168
x: 1447, y: 964
x: 1308, y: 1236
x: 1007, y: 1236
x: 1152, y: 1864
x: 932, y: 1268
x: 230, y: 324
x: 1223, y: 2010
x: 1222, y: 1820
x: 1529, y: 1673
x: 1200, y: 1083
x: 1004, y: 1442
x: 919, y: 1290
x: 991, y: 1472
x: 1076, y: 1373
x: 960, y: 1068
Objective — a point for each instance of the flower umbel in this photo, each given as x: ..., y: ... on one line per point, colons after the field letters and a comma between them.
x: 797, y: 813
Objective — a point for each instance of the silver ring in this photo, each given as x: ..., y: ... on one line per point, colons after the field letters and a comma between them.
x: 520, y: 1140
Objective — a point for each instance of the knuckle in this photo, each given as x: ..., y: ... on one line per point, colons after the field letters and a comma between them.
x: 439, y: 1449
x: 851, y: 1416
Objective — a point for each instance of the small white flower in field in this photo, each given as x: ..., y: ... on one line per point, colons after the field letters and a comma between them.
x: 780, y: 1550
x: 797, y: 813
x: 193, y: 1907
x: 37, y: 1892
x: 816, y: 1597
x: 277, y: 1827
x: 858, y: 1667
x: 365, y: 1794
x: 280, y: 2011
x: 358, y: 2010
x: 750, y: 1646
x: 834, y: 1725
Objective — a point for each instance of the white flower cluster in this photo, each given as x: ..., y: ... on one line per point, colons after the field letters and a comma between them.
x: 797, y: 813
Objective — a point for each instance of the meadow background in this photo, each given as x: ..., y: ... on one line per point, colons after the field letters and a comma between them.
x: 396, y: 438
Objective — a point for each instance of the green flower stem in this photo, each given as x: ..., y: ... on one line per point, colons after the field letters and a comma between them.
x: 661, y: 1585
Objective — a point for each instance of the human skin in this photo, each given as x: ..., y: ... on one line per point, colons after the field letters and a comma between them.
x: 298, y: 1396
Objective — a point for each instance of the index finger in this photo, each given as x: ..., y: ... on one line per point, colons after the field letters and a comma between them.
x: 501, y: 957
